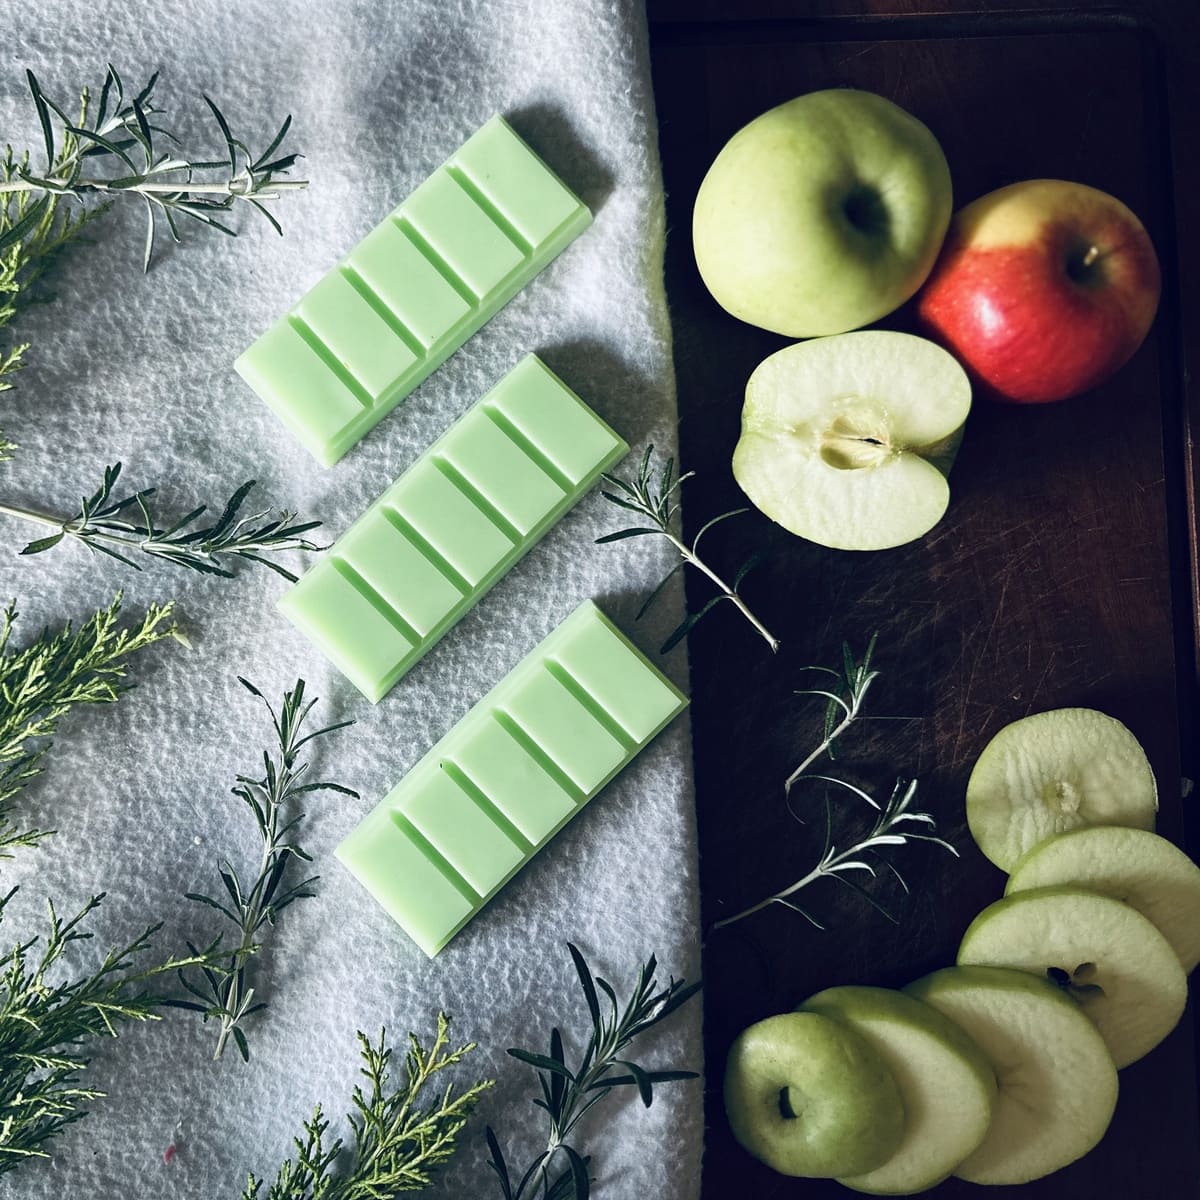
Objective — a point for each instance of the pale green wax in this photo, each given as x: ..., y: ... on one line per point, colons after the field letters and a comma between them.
x: 508, y: 776
x: 476, y: 501
x: 413, y: 290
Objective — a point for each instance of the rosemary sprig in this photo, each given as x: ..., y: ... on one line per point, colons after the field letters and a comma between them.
x: 43, y: 212
x: 127, y: 135
x: 894, y: 820
x: 568, y: 1094
x: 226, y: 994
x: 398, y: 1144
x: 657, y: 502
x: 40, y: 684
x: 44, y: 1024
x: 100, y: 526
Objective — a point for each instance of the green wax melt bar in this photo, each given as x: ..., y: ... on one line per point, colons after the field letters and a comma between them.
x: 413, y: 290
x: 509, y: 776
x: 451, y: 526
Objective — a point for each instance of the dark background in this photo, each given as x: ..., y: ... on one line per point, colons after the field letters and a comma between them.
x: 1062, y: 575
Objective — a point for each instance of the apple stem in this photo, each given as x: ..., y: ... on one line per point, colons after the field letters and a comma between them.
x: 689, y: 555
x: 1093, y: 253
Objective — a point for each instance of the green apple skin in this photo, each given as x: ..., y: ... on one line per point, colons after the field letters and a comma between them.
x: 945, y: 1080
x: 1053, y: 771
x: 1057, y: 1082
x: 823, y: 214
x: 848, y: 1113
x: 1111, y: 960
x: 1135, y: 866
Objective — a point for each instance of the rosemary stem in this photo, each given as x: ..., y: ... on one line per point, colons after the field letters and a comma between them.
x: 232, y: 188
x: 814, y: 874
x: 28, y: 514
x: 690, y: 556
x: 847, y: 721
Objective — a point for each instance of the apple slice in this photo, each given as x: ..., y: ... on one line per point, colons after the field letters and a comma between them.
x: 945, y: 1081
x: 847, y: 440
x: 1112, y: 960
x: 1141, y: 869
x: 1055, y: 771
x: 809, y: 1096
x: 1057, y: 1083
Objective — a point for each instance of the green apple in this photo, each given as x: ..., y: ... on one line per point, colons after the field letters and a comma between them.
x: 945, y: 1080
x: 1140, y: 868
x: 847, y: 440
x: 823, y: 214
x: 1106, y: 955
x: 809, y: 1096
x: 1057, y: 1083
x: 1055, y: 771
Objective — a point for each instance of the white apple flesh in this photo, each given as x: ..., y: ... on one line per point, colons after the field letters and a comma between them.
x: 1057, y: 1085
x: 847, y: 440
x: 1055, y: 771
x: 945, y: 1081
x: 823, y: 214
x: 1110, y: 959
x: 1139, y: 868
x: 808, y: 1096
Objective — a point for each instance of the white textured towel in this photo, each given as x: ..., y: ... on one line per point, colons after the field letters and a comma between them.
x: 138, y: 369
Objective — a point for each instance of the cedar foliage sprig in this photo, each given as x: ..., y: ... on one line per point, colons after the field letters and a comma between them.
x: 45, y: 1024
x: 894, y: 820
x: 657, y: 502
x: 57, y: 671
x: 225, y: 992
x: 570, y: 1093
x: 102, y: 525
x: 400, y: 1140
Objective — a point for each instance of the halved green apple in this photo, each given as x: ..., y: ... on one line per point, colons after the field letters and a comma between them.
x: 945, y: 1081
x: 847, y: 440
x: 1055, y: 771
x: 1057, y: 1083
x: 809, y: 1096
x: 1140, y: 868
x: 1106, y: 955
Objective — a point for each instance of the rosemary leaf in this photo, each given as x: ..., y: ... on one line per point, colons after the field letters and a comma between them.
x: 227, y: 995
x: 568, y: 1092
x: 657, y: 502
x: 45, y: 1023
x: 40, y: 684
x: 897, y: 823
x: 398, y: 1144
x: 103, y: 526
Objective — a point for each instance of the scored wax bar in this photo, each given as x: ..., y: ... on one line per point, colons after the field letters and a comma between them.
x: 509, y: 776
x: 451, y: 526
x: 413, y: 290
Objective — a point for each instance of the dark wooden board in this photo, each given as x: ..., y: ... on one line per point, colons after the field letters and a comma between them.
x: 1059, y: 577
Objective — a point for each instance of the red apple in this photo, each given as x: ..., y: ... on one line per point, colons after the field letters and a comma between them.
x: 1043, y: 289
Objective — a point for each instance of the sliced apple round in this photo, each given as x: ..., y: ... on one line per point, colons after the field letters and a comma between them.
x: 809, y: 1096
x: 847, y: 440
x: 1055, y: 771
x: 945, y: 1081
x: 1142, y: 869
x: 1106, y: 955
x: 1057, y: 1086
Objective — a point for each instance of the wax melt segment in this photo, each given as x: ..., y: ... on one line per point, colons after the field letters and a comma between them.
x: 413, y: 290
x: 453, y: 524
x: 508, y: 776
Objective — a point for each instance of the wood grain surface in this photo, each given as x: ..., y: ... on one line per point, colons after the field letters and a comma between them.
x: 1060, y: 576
